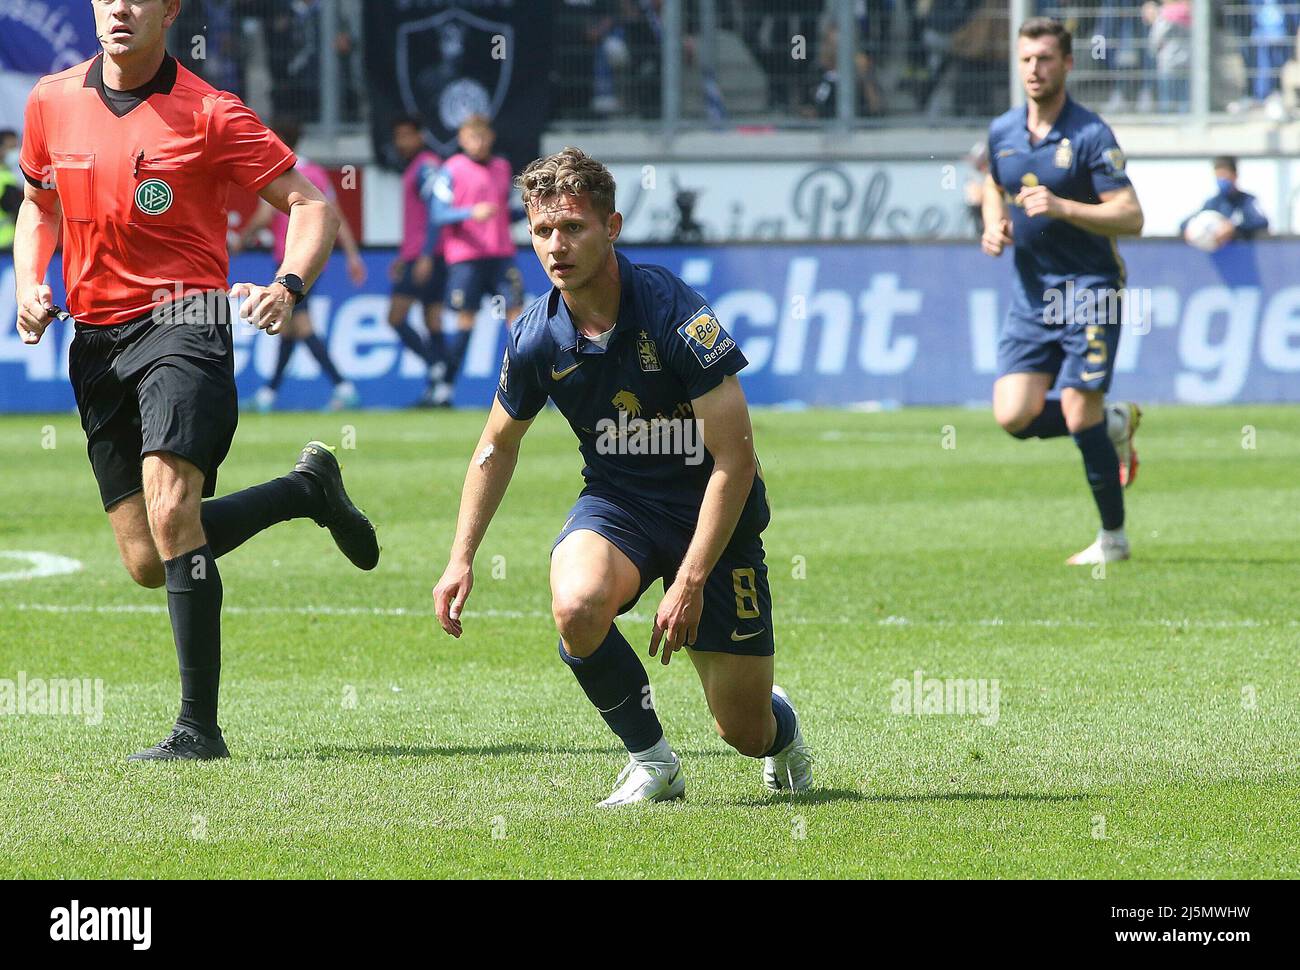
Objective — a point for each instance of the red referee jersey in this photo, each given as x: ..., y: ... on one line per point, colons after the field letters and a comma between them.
x: 144, y: 194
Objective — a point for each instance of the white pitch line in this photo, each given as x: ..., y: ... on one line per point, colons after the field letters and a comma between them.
x: 889, y: 621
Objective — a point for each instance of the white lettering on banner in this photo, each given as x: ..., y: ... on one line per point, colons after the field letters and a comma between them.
x: 754, y: 310
x: 362, y: 343
x: 878, y: 353
x: 879, y: 304
x: 1229, y: 358
x: 984, y: 319
x: 828, y: 320
x: 1278, y: 346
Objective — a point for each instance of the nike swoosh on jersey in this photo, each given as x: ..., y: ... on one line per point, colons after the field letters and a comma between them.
x: 559, y: 375
x: 1086, y: 376
x: 736, y: 635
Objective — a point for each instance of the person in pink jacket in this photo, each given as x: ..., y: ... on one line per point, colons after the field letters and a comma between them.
x: 474, y: 188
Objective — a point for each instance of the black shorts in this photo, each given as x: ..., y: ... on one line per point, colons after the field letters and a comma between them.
x: 164, y: 382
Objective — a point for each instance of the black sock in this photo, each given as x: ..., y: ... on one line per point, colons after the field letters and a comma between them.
x: 413, y: 342
x: 282, y: 362
x: 194, y: 602
x: 230, y: 521
x: 616, y: 683
x: 1101, y: 464
x: 457, y: 344
x: 438, y: 349
x: 784, y: 715
x: 1048, y: 423
x: 317, y: 348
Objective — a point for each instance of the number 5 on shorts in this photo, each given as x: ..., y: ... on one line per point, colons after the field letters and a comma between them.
x: 746, y: 593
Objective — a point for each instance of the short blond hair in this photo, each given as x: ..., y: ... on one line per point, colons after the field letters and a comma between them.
x: 476, y: 122
x: 568, y: 172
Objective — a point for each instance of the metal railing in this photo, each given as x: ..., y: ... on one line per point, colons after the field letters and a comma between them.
x: 285, y: 58
x: 696, y: 64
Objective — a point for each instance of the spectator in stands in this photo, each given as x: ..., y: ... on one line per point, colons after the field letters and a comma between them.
x: 973, y: 193
x: 868, y: 99
x: 1272, y: 32
x: 771, y: 29
x: 1171, y: 41
x: 642, y: 32
x: 979, y: 57
x: 1127, y: 52
x: 1244, y: 219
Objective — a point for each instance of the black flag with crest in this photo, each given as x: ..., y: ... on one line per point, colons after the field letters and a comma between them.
x: 444, y: 60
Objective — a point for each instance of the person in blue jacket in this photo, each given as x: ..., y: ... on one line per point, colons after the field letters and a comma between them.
x: 1245, y: 218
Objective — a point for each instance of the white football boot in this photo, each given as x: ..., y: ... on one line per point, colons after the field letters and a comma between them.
x: 648, y: 781
x: 1108, y: 547
x: 345, y: 396
x: 1122, y: 420
x: 264, y: 400
x: 790, y: 769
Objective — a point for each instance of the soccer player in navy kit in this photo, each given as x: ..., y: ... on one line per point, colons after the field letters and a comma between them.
x: 635, y: 361
x: 1058, y: 191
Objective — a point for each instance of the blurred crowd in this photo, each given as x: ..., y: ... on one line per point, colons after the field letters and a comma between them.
x: 269, y: 52
x: 776, y: 60
x: 779, y: 58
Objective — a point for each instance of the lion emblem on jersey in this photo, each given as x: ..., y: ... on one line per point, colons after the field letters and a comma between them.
x: 627, y: 402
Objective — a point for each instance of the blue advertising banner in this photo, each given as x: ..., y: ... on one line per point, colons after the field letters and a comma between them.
x: 820, y: 324
x: 45, y: 36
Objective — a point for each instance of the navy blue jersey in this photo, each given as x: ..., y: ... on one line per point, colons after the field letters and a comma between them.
x: 1078, y: 160
x: 1240, y: 208
x: 666, y: 349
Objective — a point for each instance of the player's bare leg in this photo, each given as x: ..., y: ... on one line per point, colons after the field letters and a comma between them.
x: 1019, y: 399
x: 173, y: 494
x: 591, y: 579
x: 742, y: 700
x: 1085, y: 415
x: 130, y: 522
x: 167, y: 535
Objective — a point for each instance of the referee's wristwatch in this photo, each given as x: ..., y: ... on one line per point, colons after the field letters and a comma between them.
x: 294, y: 285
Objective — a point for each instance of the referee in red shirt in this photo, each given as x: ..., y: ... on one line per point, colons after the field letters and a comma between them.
x: 131, y: 155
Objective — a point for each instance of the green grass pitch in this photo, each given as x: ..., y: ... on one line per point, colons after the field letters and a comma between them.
x: 1147, y: 725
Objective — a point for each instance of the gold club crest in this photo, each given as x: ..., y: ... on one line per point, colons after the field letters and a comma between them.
x: 647, y: 354
x: 1064, y: 154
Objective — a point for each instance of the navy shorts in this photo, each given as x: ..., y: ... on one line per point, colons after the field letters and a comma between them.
x: 1082, y: 355
x: 737, y: 614
x: 429, y: 292
x: 470, y: 281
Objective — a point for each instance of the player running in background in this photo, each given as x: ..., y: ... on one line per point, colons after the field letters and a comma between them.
x: 1057, y: 190
x: 299, y: 328
x: 130, y: 154
x: 630, y: 352
x: 474, y: 188
x: 419, y: 273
